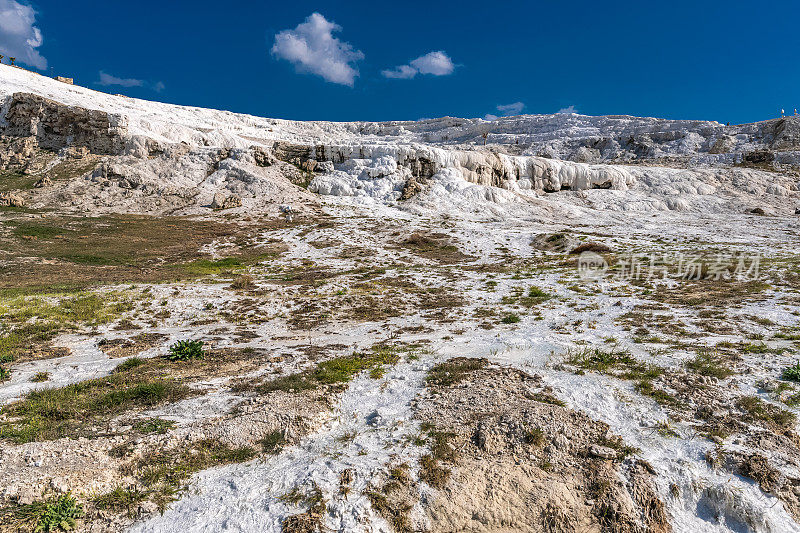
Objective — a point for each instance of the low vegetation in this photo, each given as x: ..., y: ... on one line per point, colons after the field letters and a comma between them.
x: 757, y: 410
x: 73, y: 410
x: 453, y: 371
x: 432, y: 471
x: 59, y: 513
x: 162, y: 473
x: 186, y: 350
x: 792, y: 373
x: 614, y: 361
x: 334, y: 372
x: 40, y: 377
x: 273, y: 442
x: 709, y: 364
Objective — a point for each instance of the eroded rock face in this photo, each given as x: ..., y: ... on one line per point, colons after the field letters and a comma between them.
x: 55, y: 126
x: 523, y: 462
x: 8, y: 199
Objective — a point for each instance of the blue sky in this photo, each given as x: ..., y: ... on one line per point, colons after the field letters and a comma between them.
x: 728, y: 61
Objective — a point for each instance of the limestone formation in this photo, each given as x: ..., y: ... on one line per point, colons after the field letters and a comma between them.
x: 8, y: 199
x: 226, y: 201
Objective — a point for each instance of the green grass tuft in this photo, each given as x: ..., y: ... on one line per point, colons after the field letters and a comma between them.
x: 453, y: 371
x: 708, y: 364
x: 273, y: 442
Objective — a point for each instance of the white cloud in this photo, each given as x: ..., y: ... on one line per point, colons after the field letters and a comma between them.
x: 506, y: 110
x: 511, y: 109
x: 311, y: 47
x: 568, y: 110
x: 107, y: 79
x: 434, y: 63
x: 403, y: 72
x: 19, y: 37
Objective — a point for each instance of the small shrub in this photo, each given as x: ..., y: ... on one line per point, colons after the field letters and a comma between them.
x: 59, y: 514
x: 39, y: 377
x: 432, y: 473
x: 536, y: 292
x: 511, y: 318
x: 5, y: 374
x: 534, y: 436
x: 792, y: 373
x: 595, y: 247
x: 186, y: 350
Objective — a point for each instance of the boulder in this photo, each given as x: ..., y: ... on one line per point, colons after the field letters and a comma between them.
x: 602, y: 451
x: 223, y: 201
x: 45, y: 181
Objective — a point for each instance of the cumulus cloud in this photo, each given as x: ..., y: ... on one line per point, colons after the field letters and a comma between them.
x: 108, y: 79
x: 506, y: 110
x: 434, y: 63
x: 568, y: 110
x: 312, y: 48
x: 403, y: 72
x: 19, y: 37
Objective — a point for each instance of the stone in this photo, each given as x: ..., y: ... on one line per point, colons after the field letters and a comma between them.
x: 9, y: 199
x: 223, y: 201
x: 602, y: 451
x: 411, y: 188
x: 62, y: 79
x: 45, y: 181
x: 263, y: 159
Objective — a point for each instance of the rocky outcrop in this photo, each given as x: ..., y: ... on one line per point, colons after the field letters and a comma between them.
x: 8, y: 199
x: 54, y: 126
x: 225, y: 201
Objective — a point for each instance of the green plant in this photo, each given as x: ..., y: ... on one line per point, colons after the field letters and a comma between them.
x: 707, y: 364
x: 792, y: 373
x: 5, y: 374
x: 127, y: 364
x: 120, y: 498
x: 153, y: 425
x: 534, y: 436
x: 40, y: 377
x: 536, y: 292
x: 186, y: 350
x: 453, y: 371
x: 511, y: 318
x: 273, y: 442
x: 163, y: 472
x: 59, y: 514
x: 71, y: 411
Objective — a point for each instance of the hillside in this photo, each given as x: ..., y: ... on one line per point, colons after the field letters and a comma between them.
x: 214, y: 321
